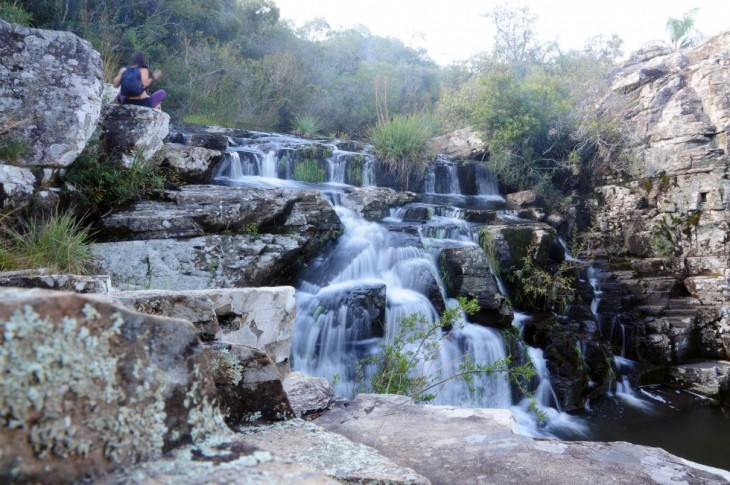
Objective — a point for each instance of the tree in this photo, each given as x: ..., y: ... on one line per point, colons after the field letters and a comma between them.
x: 682, y: 32
x: 515, y: 39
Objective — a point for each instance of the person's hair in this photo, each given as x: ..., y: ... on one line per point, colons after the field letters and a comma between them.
x: 139, y: 60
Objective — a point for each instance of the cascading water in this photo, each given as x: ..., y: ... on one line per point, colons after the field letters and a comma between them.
x: 378, y: 274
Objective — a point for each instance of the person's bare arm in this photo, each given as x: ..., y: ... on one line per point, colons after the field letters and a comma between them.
x: 148, y: 80
x: 118, y: 79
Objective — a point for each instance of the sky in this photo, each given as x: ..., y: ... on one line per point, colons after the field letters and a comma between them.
x: 453, y: 30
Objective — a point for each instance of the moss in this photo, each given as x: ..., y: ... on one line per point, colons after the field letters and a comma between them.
x: 647, y: 184
x: 355, y: 167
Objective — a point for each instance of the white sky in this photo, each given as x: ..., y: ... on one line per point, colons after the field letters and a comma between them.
x: 454, y: 29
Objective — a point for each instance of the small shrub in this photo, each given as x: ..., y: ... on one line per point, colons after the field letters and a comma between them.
x: 15, y: 14
x: 60, y: 243
x: 101, y: 187
x: 396, y: 362
x: 401, y: 144
x: 310, y: 171
x: 251, y: 229
x: 12, y: 149
x: 307, y: 126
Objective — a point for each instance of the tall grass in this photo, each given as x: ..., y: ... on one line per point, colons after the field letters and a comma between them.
x: 401, y: 144
x: 15, y: 14
x: 307, y: 126
x: 12, y: 149
x: 59, y: 243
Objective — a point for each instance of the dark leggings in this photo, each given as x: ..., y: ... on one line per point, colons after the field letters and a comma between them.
x: 152, y: 101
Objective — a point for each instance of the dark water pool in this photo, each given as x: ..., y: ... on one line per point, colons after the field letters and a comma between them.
x: 682, y: 425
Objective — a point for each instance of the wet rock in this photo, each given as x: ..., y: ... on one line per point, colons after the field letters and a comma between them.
x: 711, y: 378
x: 197, y: 210
x: 477, y: 446
x: 212, y: 141
x: 465, y: 272
x: 248, y: 385
x: 713, y: 325
x: 463, y: 144
x: 89, y: 387
x: 132, y: 133
x: 16, y: 186
x: 44, y: 279
x: 308, y: 395
x: 526, y: 198
x: 361, y: 309
x: 50, y: 88
x: 511, y: 244
x: 417, y: 213
x: 190, y: 163
x: 374, y: 203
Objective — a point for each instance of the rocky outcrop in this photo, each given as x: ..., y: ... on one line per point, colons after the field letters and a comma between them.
x: 197, y: 210
x: 477, y: 446
x: 89, y: 386
x: 711, y: 379
x: 374, y: 203
x: 190, y: 164
x: 308, y: 395
x: 466, y: 273
x: 256, y: 317
x: 663, y: 223
x: 65, y: 282
x: 259, y: 237
x: 132, y: 133
x: 248, y: 385
x: 463, y: 144
x: 526, y: 198
x: 50, y: 93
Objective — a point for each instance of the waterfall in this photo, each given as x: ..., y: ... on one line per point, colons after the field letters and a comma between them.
x: 486, y: 182
x: 268, y: 167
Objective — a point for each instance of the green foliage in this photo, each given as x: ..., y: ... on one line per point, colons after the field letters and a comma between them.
x: 401, y: 144
x: 307, y: 126
x: 681, y: 30
x: 251, y: 229
x: 486, y: 240
x: 354, y: 171
x: 12, y: 149
x: 59, y: 243
x: 661, y: 241
x: 14, y: 13
x: 310, y: 171
x: 538, y: 288
x: 417, y: 342
x: 101, y: 187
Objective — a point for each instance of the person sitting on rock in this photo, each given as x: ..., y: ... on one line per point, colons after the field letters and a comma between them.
x: 133, y: 82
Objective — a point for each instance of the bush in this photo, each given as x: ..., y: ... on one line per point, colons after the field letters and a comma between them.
x: 15, y: 14
x: 401, y: 144
x: 307, y: 126
x: 13, y: 149
x: 59, y: 243
x: 101, y: 187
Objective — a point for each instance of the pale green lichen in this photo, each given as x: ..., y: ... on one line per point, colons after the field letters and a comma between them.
x: 58, y: 380
x: 226, y: 367
x: 204, y: 418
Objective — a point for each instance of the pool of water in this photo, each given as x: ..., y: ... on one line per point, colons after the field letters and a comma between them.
x: 676, y: 421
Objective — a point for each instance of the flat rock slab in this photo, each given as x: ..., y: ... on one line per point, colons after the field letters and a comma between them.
x: 223, y: 460
x: 330, y: 453
x: 64, y: 282
x: 451, y: 445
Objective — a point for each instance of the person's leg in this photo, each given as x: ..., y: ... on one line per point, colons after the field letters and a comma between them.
x: 157, y: 98
x: 120, y: 99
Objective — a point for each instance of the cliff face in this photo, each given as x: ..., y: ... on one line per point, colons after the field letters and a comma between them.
x: 663, y: 229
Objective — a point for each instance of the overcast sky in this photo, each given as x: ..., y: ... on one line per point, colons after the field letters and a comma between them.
x: 455, y: 29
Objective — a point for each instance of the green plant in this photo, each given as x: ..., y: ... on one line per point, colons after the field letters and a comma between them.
x: 401, y: 144
x: 307, y: 126
x: 207, y: 120
x: 682, y: 30
x: 251, y: 229
x: 397, y: 360
x: 310, y: 171
x: 15, y: 14
x: 100, y: 186
x: 661, y: 242
x: 354, y: 171
x: 486, y: 240
x: 665, y: 183
x: 59, y: 243
x: 12, y: 149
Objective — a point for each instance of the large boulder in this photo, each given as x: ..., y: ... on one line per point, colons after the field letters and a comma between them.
x: 711, y: 378
x: 465, y: 272
x: 89, y: 387
x: 191, y: 164
x: 463, y: 144
x: 50, y: 91
x: 374, y: 203
x: 41, y: 278
x: 132, y: 133
x: 478, y: 446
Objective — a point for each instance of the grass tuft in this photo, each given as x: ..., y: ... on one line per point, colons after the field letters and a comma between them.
x: 401, y: 144
x: 13, y: 149
x: 307, y: 126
